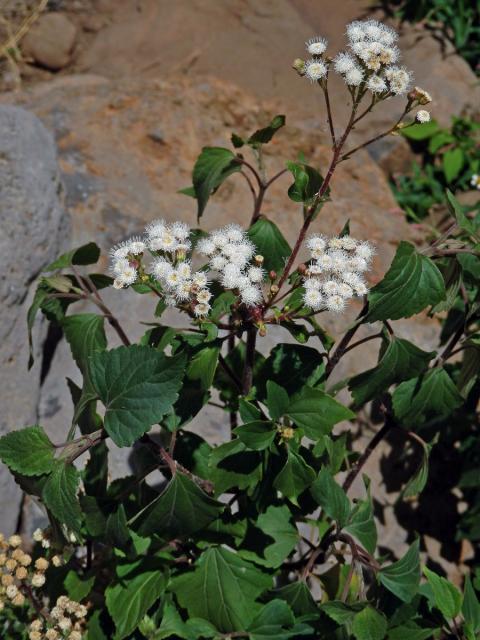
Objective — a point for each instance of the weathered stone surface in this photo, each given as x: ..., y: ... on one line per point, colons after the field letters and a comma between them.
x: 51, y: 40
x: 33, y: 228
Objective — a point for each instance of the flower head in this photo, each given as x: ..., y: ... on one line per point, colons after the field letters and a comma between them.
x: 422, y: 116
x: 315, y: 70
x: 475, y: 181
x: 316, y: 46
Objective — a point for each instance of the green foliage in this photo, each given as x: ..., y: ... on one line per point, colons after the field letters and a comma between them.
x: 28, y: 451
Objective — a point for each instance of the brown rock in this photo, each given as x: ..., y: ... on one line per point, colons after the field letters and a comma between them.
x: 51, y: 40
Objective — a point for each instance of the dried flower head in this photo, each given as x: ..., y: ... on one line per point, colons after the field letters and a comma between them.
x: 422, y: 116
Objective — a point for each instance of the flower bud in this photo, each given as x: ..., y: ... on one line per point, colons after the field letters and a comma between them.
x: 274, y: 289
x: 272, y: 275
x: 259, y: 259
x: 302, y: 269
x: 299, y: 66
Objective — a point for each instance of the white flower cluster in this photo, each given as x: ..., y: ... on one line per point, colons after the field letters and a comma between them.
x: 183, y: 284
x: 475, y: 181
x: 230, y: 253
x: 373, y: 59
x: 335, y: 273
x: 316, y: 68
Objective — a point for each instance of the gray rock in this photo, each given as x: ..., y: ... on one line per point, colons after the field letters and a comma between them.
x: 33, y: 228
x: 50, y: 41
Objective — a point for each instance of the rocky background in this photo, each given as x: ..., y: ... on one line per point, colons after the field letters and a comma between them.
x: 103, y: 111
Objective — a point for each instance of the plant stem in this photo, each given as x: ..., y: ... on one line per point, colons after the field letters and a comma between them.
x: 247, y: 378
x: 329, y: 112
x: 377, y: 438
x: 231, y: 347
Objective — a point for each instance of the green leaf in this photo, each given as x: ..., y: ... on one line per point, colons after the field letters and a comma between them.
x: 237, y: 141
x: 248, y: 411
x: 262, y: 136
x: 203, y: 365
x: 256, y: 435
x: 277, y: 400
x: 78, y: 587
x: 471, y: 606
x: 275, y: 621
x: 369, y: 624
x: 276, y: 523
x: 458, y: 213
x: 132, y: 596
x: 85, y: 333
x: 137, y: 385
x: 402, y: 360
x: 433, y: 395
x: 28, y: 451
x: 291, y: 366
x: 338, y: 611
x: 86, y: 254
x: 362, y: 525
x: 299, y: 598
x: 295, y: 477
x: 60, y: 495
x: 331, y: 497
x: 178, y: 511
x: 232, y: 465
x: 452, y: 162
x: 270, y: 243
x: 447, y: 597
x: 222, y: 589
x: 412, y: 283
x: 316, y: 412
x: 420, y: 131
x: 403, y: 577
x: 411, y: 632
x: 417, y: 483
x: 212, y: 167
x: 307, y: 182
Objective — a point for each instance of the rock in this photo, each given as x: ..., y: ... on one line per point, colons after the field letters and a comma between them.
x: 34, y: 228
x: 50, y: 41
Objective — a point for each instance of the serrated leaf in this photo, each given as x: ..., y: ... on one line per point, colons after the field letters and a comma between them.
x: 257, y: 435
x: 331, y: 497
x: 85, y: 333
x: 84, y: 255
x: 457, y: 211
x: 403, y: 577
x: 60, y: 495
x: 132, y: 596
x: 433, y: 395
x: 262, y: 136
x: 447, y: 597
x: 295, y: 477
x: 369, y: 624
x: 338, y: 611
x: 232, y: 465
x: 270, y: 243
x: 411, y: 632
x: 28, y: 451
x: 291, y: 366
x: 277, y: 400
x: 203, y: 364
x: 222, y: 589
x: 213, y: 165
x: 78, y: 587
x: 299, y: 598
x: 178, y: 511
x: 412, y: 283
x: 276, y: 523
x: 316, y: 412
x: 137, y: 385
x: 307, y: 182
x: 420, y: 131
x: 402, y: 360
x: 362, y: 525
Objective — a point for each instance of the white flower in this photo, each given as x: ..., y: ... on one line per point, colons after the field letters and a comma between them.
x: 183, y: 290
x: 373, y: 29
x: 136, y: 246
x: 242, y: 282
x: 388, y: 35
x: 335, y: 303
x: 120, y: 251
x: 357, y: 264
x: 376, y: 84
x: 315, y: 70
x: 11, y: 591
x: 314, y: 269
x: 234, y: 233
x: 475, y: 181
x: 340, y: 261
x: 231, y: 275
x: 361, y: 289
x: 65, y: 624
x: 38, y: 579
x: 184, y: 269
x: 255, y: 274
x: 156, y: 228
x: 316, y: 242
x: 352, y: 278
x: 124, y: 279
x: 180, y: 230
x: 120, y: 265
x: 335, y: 243
x: 389, y: 55
x: 312, y: 283
x: 170, y: 301
x: 37, y: 535
x: 203, y: 296
x: 217, y: 263
x: 399, y: 79
x: 422, y: 116
x: 206, y: 247
x: 354, y: 77
x: 163, y: 242
x: 348, y: 243
x: 200, y: 279
x: 364, y: 250
x: 201, y: 309
x: 161, y: 268
x: 344, y: 62
x: 330, y: 287
x: 324, y: 263
x: 316, y: 46
x: 172, y: 279
x: 219, y: 238
x: 251, y: 295
x: 355, y: 31
x: 313, y: 299
x: 344, y: 290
